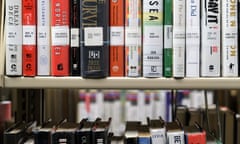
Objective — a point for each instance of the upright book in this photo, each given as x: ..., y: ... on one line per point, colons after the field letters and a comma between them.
x: 157, y: 131
x: 194, y: 135
x: 144, y: 136
x: 133, y: 38
x: 192, y: 38
x: 175, y: 134
x: 210, y: 38
x: 13, y: 32
x: 117, y: 18
x: 94, y: 35
x: 43, y: 37
x: 179, y: 44
x: 74, y: 38
x: 152, y: 38
x: 229, y: 38
x: 60, y: 38
x: 168, y: 35
x: 29, y: 49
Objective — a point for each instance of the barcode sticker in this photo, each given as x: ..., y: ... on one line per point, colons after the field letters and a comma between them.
x: 60, y: 35
x: 93, y: 36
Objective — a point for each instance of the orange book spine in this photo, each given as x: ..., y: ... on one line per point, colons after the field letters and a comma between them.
x: 29, y: 49
x: 196, y: 138
x: 117, y: 38
x: 60, y: 37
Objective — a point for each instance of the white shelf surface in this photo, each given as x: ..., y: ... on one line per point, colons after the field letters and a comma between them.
x: 121, y: 83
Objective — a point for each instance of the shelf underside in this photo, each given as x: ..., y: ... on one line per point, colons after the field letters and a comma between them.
x: 121, y: 83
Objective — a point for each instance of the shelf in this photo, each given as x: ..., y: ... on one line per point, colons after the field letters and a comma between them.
x: 121, y: 83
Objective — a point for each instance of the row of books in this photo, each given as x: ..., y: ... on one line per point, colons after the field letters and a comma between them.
x: 96, y: 39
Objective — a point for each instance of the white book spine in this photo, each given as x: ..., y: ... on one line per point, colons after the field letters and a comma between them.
x: 13, y: 29
x: 210, y: 38
x: 229, y: 38
x: 175, y: 137
x: 179, y: 34
x: 133, y: 38
x: 43, y: 37
x: 152, y: 38
x: 158, y: 136
x: 192, y: 38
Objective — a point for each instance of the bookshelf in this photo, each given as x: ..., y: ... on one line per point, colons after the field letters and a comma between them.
x: 121, y: 83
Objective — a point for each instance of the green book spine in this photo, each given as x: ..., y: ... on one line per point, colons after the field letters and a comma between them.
x: 168, y: 41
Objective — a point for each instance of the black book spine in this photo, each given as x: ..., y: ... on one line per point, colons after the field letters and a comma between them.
x: 83, y: 137
x: 42, y: 138
x: 63, y: 138
x: 94, y: 35
x: 100, y: 137
x: 75, y: 38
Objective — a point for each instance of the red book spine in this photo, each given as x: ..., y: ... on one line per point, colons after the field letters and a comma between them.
x: 196, y: 138
x: 117, y: 38
x: 29, y: 48
x: 60, y: 37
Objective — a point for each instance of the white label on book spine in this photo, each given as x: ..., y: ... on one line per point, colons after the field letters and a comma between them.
x: 43, y: 35
x: 168, y: 34
x: 74, y: 37
x: 192, y: 38
x: 93, y: 36
x: 133, y: 36
x: 60, y: 35
x: 179, y: 38
x: 29, y: 35
x: 13, y: 29
x: 210, y: 38
x: 158, y: 136
x: 229, y: 38
x: 175, y: 137
x: 117, y: 35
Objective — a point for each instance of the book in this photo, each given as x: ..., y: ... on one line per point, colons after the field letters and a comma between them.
x: 29, y: 48
x: 194, y: 135
x: 94, y: 38
x: 133, y: 38
x: 131, y: 132
x: 144, y: 136
x: 229, y: 39
x: 14, y: 133
x: 84, y: 132
x: 168, y: 38
x: 192, y: 38
x: 152, y: 38
x: 210, y: 38
x: 13, y: 33
x: 157, y: 131
x: 60, y: 38
x: 174, y: 133
x: 74, y: 38
x: 179, y: 36
x: 117, y: 56
x: 100, y: 132
x: 43, y: 37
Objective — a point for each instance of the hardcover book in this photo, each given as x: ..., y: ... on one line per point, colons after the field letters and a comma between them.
x: 175, y: 134
x: 29, y: 49
x: 229, y: 38
x: 152, y: 38
x: 194, y: 135
x: 75, y: 38
x: 13, y: 32
x: 43, y: 37
x: 60, y: 38
x: 192, y: 38
x: 157, y: 131
x: 210, y: 38
x: 179, y: 32
x: 168, y: 38
x: 94, y: 35
x: 117, y: 18
x: 133, y: 38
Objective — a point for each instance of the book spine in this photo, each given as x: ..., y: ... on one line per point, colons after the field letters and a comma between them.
x: 144, y: 140
x: 29, y: 21
x: 229, y: 38
x: 59, y: 38
x: 192, y: 38
x: 158, y: 136
x: 84, y: 137
x: 75, y: 38
x: 175, y: 137
x: 168, y: 38
x: 133, y: 40
x: 210, y: 38
x: 117, y: 38
x: 152, y: 38
x: 94, y: 35
x: 13, y: 30
x: 179, y: 45
x: 43, y: 37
